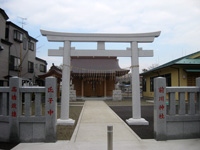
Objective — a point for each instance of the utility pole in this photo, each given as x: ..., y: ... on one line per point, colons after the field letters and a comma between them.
x: 20, y: 66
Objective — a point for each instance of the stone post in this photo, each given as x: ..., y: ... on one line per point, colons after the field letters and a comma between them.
x: 136, y: 104
x: 105, y: 94
x: 82, y: 88
x: 64, y: 119
x: 109, y: 137
x: 198, y: 95
x: 50, y: 109
x: 3, y: 104
x: 160, y: 109
x: 14, y: 108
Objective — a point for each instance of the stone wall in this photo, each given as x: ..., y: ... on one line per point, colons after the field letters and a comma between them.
x: 179, y: 119
x: 17, y: 121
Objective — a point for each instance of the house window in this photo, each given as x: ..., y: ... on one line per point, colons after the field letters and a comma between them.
x: 1, y: 82
x: 24, y: 43
x: 14, y: 63
x: 30, y: 67
x: 144, y: 84
x: 7, y: 33
x: 42, y: 68
x: 31, y: 46
x: 18, y: 36
x: 168, y: 79
x: 151, y: 84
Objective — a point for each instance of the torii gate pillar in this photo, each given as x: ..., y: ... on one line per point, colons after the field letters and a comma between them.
x: 136, y: 103
x: 64, y: 119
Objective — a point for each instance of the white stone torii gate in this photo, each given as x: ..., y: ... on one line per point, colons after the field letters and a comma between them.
x: 134, y: 52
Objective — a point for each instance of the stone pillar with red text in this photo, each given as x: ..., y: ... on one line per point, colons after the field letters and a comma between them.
x: 160, y: 109
x: 51, y: 109
x: 14, y: 108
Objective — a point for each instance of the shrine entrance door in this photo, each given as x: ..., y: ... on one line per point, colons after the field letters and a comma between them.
x: 93, y: 88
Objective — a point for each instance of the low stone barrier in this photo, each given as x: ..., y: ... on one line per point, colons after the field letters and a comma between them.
x: 17, y: 122
x: 176, y: 121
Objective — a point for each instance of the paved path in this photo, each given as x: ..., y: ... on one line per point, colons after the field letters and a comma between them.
x: 96, y: 116
x: 91, y: 134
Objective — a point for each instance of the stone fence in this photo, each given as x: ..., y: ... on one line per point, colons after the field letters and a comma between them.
x: 22, y: 121
x: 176, y: 119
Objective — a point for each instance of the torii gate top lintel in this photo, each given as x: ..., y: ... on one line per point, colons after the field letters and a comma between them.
x: 96, y: 37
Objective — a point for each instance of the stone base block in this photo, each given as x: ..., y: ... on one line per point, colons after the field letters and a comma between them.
x: 117, y: 95
x: 119, y: 98
x: 68, y: 122
x: 72, y: 95
x: 140, y: 121
x: 73, y: 98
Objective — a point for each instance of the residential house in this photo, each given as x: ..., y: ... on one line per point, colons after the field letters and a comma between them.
x: 4, y: 48
x: 18, y: 53
x: 179, y: 72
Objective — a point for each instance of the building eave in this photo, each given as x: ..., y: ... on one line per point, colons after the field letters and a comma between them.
x: 179, y: 61
x: 4, y: 14
x: 42, y: 60
x: 6, y: 42
x: 22, y: 30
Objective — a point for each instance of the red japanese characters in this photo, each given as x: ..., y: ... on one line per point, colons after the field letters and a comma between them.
x: 50, y: 90
x: 161, y: 100
x: 50, y: 100
x: 13, y: 102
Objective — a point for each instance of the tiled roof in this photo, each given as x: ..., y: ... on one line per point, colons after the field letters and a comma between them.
x: 90, y: 65
x: 180, y: 61
x: 96, y: 64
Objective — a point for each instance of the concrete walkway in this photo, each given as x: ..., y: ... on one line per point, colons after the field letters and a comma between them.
x: 91, y: 134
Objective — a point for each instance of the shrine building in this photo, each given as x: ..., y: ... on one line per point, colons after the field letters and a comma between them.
x: 91, y: 76
x: 95, y: 77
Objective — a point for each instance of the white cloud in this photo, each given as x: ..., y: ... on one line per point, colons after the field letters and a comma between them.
x: 178, y: 20
x: 103, y: 16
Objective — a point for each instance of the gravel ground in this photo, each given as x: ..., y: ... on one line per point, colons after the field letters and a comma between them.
x: 144, y: 132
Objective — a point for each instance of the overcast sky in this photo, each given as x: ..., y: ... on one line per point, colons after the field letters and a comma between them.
x: 178, y: 21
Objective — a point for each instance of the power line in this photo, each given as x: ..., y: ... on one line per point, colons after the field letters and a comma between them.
x: 22, y: 21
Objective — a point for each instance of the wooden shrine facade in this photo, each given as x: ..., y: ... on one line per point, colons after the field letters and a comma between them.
x: 95, y: 76
x: 91, y: 76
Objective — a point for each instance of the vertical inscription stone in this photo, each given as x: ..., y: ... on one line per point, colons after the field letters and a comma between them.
x: 160, y: 108
x: 198, y: 95
x: 14, y: 105
x: 51, y: 109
